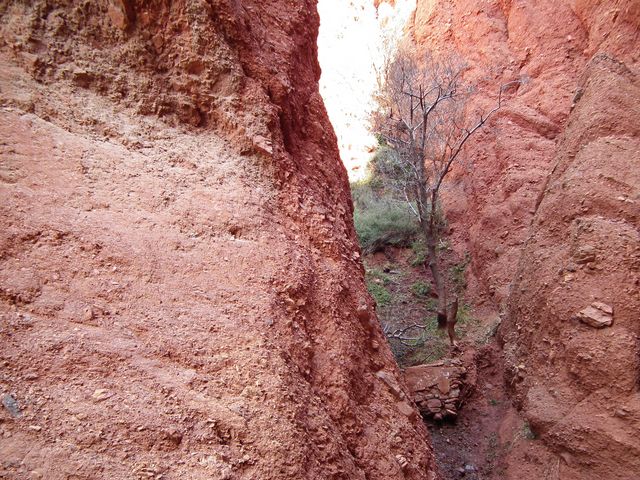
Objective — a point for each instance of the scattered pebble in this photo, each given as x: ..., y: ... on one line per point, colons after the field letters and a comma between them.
x: 101, y: 394
x: 11, y: 405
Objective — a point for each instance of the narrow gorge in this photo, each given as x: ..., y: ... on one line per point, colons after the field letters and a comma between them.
x: 184, y: 293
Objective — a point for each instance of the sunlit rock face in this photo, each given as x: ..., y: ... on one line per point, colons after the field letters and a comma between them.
x: 571, y: 329
x: 353, y: 39
x: 181, y: 294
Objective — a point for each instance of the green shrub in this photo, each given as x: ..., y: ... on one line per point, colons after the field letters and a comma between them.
x: 380, y: 294
x: 464, y: 314
x: 380, y: 220
x: 458, y: 273
x: 388, y: 167
x: 419, y: 253
x: 421, y: 289
x: 431, y: 304
x: 375, y: 274
x: 431, y: 345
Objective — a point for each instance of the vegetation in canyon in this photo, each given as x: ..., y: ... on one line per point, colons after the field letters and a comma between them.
x: 182, y: 292
x: 423, y: 122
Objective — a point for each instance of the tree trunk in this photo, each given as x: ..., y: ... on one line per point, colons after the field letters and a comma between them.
x: 434, y: 266
x: 452, y: 318
x: 447, y: 317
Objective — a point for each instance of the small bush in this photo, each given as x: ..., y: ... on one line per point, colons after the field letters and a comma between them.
x: 432, y: 345
x: 458, y: 273
x: 431, y: 304
x: 421, y: 289
x: 465, y: 315
x: 375, y: 274
x: 419, y: 253
x: 386, y: 166
x: 379, y: 220
x: 380, y: 294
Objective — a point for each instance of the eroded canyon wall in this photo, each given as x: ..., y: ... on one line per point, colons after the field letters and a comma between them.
x: 180, y: 287
x: 572, y: 330
x: 548, y: 208
x: 546, y: 45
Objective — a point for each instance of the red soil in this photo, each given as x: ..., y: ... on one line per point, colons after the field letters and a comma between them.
x: 181, y: 294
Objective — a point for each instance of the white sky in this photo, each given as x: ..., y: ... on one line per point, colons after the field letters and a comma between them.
x: 350, y: 42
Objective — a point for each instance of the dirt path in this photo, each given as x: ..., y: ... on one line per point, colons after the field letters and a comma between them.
x: 472, y: 446
x: 490, y: 440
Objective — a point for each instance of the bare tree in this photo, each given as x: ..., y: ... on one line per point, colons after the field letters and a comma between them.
x: 423, y: 123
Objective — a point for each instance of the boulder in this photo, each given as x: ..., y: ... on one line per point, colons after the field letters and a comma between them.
x: 597, y: 315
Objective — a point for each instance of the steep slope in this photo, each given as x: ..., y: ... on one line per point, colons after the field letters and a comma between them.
x: 556, y: 174
x: 577, y: 384
x: 180, y: 287
x: 545, y: 44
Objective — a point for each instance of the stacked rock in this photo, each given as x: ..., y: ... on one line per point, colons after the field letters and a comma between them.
x: 438, y: 389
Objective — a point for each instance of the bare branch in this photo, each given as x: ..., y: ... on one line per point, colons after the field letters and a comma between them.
x: 399, y: 334
x: 424, y: 118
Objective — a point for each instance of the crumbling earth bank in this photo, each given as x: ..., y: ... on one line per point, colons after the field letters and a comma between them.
x: 180, y: 290
x: 545, y: 44
x: 571, y: 335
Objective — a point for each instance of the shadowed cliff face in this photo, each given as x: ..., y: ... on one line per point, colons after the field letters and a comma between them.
x: 576, y: 383
x: 180, y: 288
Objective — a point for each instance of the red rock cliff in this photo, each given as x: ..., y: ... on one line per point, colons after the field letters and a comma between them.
x: 549, y: 213
x: 571, y: 334
x: 546, y: 44
x: 180, y: 287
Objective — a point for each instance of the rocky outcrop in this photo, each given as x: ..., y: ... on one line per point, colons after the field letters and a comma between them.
x: 578, y: 385
x: 597, y: 315
x: 180, y: 287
